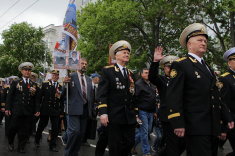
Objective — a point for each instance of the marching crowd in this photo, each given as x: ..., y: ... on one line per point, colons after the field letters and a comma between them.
x: 188, y: 107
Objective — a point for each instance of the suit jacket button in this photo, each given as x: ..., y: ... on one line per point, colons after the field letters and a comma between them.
x: 125, y: 99
x: 213, y: 106
x: 212, y: 97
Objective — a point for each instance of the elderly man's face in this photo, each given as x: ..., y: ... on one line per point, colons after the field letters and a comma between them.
x: 123, y: 55
x: 197, y: 45
x: 26, y: 73
x: 55, y: 77
x: 167, y: 70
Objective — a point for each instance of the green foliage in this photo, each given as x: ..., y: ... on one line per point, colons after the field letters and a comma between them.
x: 219, y: 17
x: 144, y: 24
x: 22, y: 43
x: 148, y: 24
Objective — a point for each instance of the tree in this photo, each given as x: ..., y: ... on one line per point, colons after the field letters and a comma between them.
x: 145, y: 24
x: 22, y: 43
x: 218, y: 16
x: 149, y: 23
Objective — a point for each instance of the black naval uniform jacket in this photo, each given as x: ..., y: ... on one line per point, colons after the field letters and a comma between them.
x: 161, y: 82
x: 194, y: 99
x: 228, y: 90
x: 115, y: 96
x: 21, y: 98
x: 4, y: 96
x: 51, y: 99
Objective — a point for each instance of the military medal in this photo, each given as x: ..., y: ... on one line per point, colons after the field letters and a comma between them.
x: 132, y: 85
x: 123, y: 87
x: 32, y: 89
x: 198, y: 76
x: 58, y: 93
x: 118, y: 86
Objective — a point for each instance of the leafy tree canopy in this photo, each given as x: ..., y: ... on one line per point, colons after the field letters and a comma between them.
x: 147, y: 24
x: 22, y: 43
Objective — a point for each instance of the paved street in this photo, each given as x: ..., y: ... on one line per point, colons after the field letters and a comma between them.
x: 43, y: 150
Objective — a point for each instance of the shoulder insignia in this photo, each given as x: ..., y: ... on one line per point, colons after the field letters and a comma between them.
x: 225, y: 74
x: 116, y: 69
x: 193, y: 60
x: 130, y: 71
x: 109, y: 66
x: 45, y: 81
x: 181, y: 59
x: 173, y: 73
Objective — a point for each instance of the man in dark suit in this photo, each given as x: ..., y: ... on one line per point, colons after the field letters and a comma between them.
x: 73, y: 59
x: 21, y: 106
x: 116, y: 101
x: 174, y: 145
x: 193, y: 95
x: 52, y: 106
x: 3, y: 102
x: 227, y: 81
x: 79, y: 107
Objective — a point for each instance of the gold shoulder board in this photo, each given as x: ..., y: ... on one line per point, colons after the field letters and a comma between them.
x: 45, y: 81
x: 109, y: 66
x: 130, y: 71
x: 181, y: 59
x: 225, y: 74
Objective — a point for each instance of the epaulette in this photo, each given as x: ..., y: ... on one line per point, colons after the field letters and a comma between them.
x: 225, y: 74
x: 109, y: 66
x: 45, y: 81
x: 181, y: 59
x: 130, y: 71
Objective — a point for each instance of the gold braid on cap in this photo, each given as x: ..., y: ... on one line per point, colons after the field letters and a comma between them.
x: 196, y: 33
x: 121, y: 48
x: 231, y: 57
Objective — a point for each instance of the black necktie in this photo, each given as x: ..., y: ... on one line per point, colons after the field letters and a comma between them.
x: 54, y: 84
x: 124, y: 73
x: 204, y: 64
x: 26, y: 81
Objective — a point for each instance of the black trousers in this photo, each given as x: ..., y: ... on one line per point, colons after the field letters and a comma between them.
x: 121, y: 138
x: 54, y: 129
x: 202, y: 145
x: 102, y: 142
x: 19, y: 124
x: 175, y: 146
x: 231, y: 138
x: 7, y: 125
x: 2, y: 114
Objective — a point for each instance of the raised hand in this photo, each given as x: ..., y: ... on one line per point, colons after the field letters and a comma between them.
x: 158, y: 54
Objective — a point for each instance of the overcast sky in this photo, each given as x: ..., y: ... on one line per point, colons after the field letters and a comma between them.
x: 39, y: 13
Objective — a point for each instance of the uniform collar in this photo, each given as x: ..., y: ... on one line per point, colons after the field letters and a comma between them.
x: 199, y: 59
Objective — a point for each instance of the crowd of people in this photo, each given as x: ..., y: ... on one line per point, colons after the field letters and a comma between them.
x: 189, y: 107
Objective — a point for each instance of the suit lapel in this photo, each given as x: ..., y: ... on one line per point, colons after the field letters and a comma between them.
x: 77, y: 83
x: 118, y: 73
x: 200, y: 66
x: 52, y: 88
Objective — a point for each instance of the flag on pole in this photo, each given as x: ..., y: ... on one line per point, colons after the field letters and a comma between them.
x: 67, y: 41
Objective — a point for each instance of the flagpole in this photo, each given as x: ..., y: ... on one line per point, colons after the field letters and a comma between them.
x: 67, y: 95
